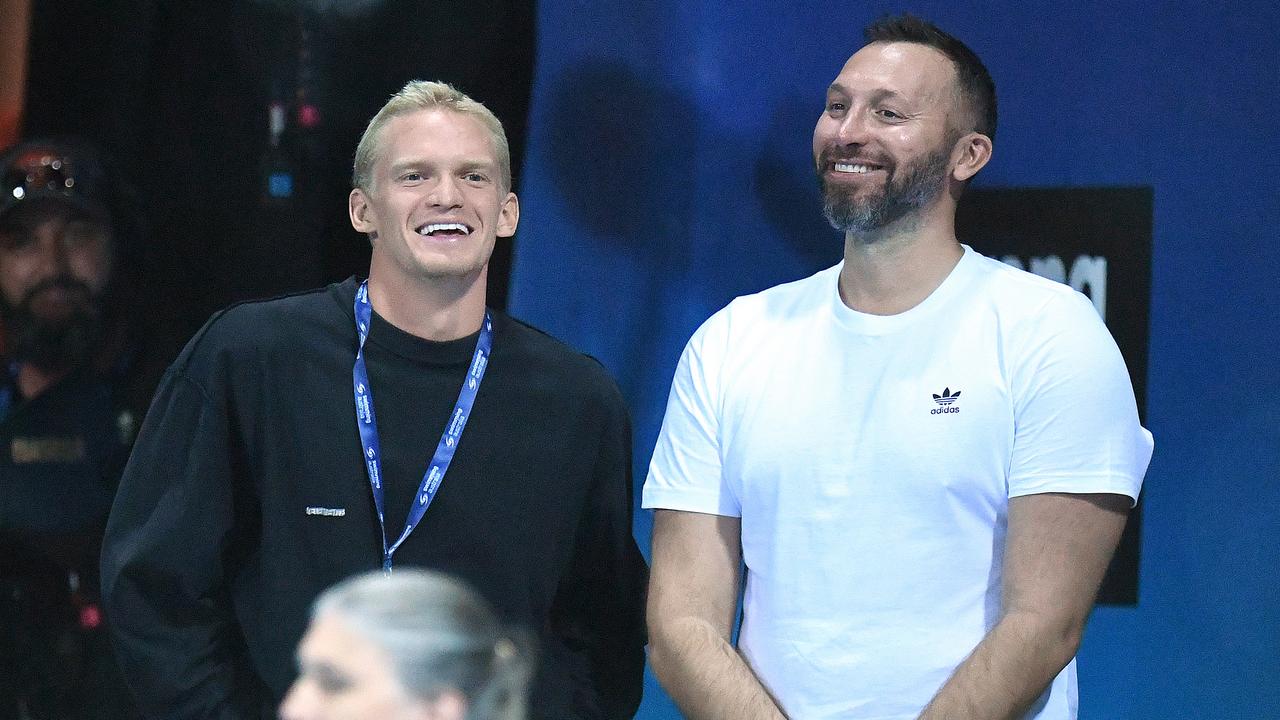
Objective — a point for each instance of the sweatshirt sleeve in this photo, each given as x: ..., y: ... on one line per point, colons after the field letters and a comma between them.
x: 163, y: 575
x: 599, y: 608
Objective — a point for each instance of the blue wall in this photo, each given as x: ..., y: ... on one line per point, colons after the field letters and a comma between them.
x: 668, y: 170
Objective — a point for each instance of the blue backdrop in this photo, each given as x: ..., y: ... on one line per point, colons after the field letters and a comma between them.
x: 667, y: 171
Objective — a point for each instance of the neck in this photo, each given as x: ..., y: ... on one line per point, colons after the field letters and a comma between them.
x: 438, y: 309
x: 894, y: 268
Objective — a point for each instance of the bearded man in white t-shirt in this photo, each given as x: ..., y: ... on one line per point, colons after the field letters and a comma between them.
x: 924, y: 458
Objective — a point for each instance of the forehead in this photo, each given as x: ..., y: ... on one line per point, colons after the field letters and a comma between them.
x: 438, y: 135
x: 30, y: 214
x: 332, y: 643
x: 332, y: 648
x: 911, y: 70
x: 330, y: 637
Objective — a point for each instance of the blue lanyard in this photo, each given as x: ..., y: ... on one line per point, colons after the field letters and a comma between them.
x: 368, y: 424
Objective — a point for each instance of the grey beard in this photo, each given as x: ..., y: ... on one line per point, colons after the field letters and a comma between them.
x: 920, y: 183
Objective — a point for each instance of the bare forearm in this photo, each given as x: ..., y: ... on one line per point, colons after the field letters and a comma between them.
x: 706, y: 676
x: 1008, y: 670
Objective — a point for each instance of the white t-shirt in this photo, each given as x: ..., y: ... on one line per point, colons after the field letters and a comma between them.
x: 871, y: 459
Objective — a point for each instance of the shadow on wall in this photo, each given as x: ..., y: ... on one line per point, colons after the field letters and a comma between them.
x: 787, y: 187
x: 623, y: 157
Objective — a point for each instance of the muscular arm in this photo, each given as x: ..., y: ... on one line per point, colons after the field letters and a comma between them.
x: 1056, y: 551
x: 693, y: 592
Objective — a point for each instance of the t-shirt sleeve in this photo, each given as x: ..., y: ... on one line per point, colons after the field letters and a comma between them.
x: 686, y: 471
x: 1076, y: 427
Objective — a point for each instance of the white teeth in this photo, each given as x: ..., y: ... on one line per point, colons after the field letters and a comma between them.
x: 851, y: 168
x: 437, y: 227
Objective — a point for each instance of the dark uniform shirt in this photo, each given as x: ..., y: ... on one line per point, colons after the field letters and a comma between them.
x: 61, y: 454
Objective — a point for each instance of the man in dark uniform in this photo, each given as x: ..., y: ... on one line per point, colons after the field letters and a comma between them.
x: 65, y: 428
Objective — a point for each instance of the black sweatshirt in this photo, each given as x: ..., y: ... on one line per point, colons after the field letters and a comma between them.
x: 246, y: 496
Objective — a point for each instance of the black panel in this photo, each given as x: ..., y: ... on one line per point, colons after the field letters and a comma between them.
x: 1078, y: 227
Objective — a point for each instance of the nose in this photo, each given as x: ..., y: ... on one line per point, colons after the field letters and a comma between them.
x: 298, y: 704
x: 445, y: 193
x: 852, y: 128
x: 51, y: 253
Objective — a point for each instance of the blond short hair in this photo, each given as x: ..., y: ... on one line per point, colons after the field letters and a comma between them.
x: 428, y: 95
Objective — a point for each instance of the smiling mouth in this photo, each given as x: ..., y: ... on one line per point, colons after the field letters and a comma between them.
x: 854, y: 168
x: 444, y: 230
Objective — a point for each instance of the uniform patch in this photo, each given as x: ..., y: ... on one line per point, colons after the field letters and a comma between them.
x: 32, y: 450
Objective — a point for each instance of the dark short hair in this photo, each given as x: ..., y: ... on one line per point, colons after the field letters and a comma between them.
x: 974, y: 82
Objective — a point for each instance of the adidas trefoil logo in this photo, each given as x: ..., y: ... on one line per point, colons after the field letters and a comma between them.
x: 945, y: 401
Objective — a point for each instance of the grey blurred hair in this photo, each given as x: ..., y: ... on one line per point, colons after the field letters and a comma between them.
x: 440, y: 635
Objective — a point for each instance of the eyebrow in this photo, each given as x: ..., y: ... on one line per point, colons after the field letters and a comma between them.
x: 321, y: 669
x: 470, y: 164
x: 877, y: 94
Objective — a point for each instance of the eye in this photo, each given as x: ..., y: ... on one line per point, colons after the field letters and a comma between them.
x: 80, y: 233
x: 411, y: 176
x: 475, y: 177
x: 835, y: 106
x: 331, y: 682
x: 890, y: 114
x: 16, y: 241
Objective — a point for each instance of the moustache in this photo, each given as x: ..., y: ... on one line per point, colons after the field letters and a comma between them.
x: 831, y: 154
x: 66, y: 283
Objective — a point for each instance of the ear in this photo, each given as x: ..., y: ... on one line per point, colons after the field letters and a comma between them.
x: 358, y: 209
x: 508, y: 216
x: 973, y: 152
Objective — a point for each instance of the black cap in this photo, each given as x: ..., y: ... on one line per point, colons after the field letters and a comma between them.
x: 54, y: 169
